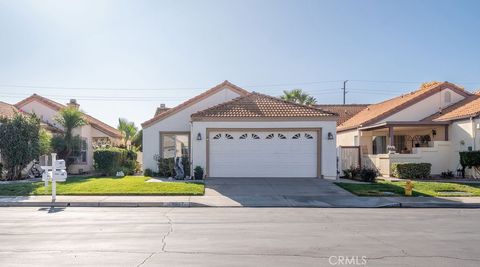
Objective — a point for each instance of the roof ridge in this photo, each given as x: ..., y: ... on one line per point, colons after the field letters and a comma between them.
x: 294, y: 103
x: 193, y: 100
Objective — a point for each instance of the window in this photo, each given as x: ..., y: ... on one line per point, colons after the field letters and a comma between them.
x: 379, y: 145
x: 281, y: 136
x: 448, y: 97
x: 270, y: 136
x: 297, y: 136
x: 217, y: 136
x: 243, y: 136
x: 355, y: 140
x: 254, y: 136
x: 308, y: 136
x: 228, y: 136
x: 175, y: 145
x: 79, y: 152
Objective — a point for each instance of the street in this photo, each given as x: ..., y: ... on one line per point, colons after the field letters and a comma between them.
x: 239, y: 237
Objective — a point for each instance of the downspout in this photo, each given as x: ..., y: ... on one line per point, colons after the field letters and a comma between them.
x: 474, y: 132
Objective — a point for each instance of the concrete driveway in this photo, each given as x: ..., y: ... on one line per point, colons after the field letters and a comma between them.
x: 280, y: 192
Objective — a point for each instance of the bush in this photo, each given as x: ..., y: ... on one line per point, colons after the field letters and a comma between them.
x: 166, y: 166
x: 351, y: 173
x: 411, y: 170
x: 368, y: 174
x: 470, y: 158
x: 198, y: 173
x: 110, y: 160
x: 148, y: 173
x: 1, y: 170
x: 447, y: 175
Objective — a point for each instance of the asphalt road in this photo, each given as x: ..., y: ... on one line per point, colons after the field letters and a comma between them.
x: 239, y: 237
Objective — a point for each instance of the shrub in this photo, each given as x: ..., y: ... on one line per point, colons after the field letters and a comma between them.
x: 198, y: 173
x: 166, y: 166
x: 368, y: 174
x: 447, y: 174
x: 411, y: 170
x: 108, y: 160
x: 19, y: 143
x: 148, y: 173
x: 1, y: 170
x: 351, y: 173
x: 470, y: 159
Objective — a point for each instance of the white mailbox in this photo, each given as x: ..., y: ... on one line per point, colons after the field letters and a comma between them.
x: 60, y: 176
x: 60, y: 164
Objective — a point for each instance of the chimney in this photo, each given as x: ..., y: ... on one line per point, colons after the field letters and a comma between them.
x: 162, y: 108
x: 73, y: 104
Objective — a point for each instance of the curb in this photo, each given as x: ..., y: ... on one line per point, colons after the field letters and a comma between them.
x: 100, y: 204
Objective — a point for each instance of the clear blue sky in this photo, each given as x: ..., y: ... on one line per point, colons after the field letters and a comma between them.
x: 265, y: 46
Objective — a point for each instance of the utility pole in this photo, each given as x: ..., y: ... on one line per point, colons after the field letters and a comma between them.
x: 344, y: 90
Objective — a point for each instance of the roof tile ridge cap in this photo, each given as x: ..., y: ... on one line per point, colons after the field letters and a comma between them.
x: 295, y: 104
x: 238, y: 98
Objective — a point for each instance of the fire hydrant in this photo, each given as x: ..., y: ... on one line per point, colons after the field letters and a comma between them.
x: 408, y: 188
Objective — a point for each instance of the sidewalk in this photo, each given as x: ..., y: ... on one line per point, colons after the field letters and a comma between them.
x: 243, y: 201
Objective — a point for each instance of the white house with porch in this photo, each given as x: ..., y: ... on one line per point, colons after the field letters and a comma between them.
x: 415, y: 127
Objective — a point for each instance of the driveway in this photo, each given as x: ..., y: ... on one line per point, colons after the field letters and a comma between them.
x: 282, y: 192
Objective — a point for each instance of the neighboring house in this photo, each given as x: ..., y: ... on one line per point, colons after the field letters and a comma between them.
x: 421, y: 127
x: 345, y: 112
x: 95, y: 132
x: 231, y: 132
x: 7, y: 110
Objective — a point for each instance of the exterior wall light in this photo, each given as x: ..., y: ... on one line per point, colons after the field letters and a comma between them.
x: 199, y: 136
x: 330, y: 136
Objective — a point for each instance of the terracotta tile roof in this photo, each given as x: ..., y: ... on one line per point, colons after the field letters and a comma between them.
x: 255, y: 105
x: 95, y: 123
x: 7, y: 110
x: 377, y: 112
x: 344, y: 112
x: 194, y: 100
x: 469, y: 107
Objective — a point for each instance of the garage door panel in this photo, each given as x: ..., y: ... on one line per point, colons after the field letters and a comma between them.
x: 273, y: 154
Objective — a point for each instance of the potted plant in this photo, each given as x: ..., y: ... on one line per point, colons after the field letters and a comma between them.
x: 198, y: 173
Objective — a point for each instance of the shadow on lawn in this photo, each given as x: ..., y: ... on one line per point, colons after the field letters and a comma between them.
x: 378, y: 189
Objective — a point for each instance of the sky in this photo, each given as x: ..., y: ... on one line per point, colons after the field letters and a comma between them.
x: 124, y: 58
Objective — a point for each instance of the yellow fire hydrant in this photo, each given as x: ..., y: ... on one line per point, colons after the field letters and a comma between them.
x: 408, y: 188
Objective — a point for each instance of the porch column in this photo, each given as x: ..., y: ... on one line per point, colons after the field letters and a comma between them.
x: 390, y: 134
x: 446, y: 132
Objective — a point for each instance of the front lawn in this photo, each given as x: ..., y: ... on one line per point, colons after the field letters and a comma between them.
x: 128, y: 185
x: 431, y: 189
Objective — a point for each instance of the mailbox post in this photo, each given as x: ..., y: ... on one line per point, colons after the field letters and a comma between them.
x: 55, y: 173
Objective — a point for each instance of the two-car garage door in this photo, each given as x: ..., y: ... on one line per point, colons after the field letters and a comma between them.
x: 268, y: 153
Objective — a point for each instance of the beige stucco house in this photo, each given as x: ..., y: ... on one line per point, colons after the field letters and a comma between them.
x: 231, y: 132
x: 92, y: 134
x: 431, y: 124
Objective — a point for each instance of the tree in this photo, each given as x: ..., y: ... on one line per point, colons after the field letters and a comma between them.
x: 128, y: 130
x: 298, y: 96
x: 69, y: 118
x: 45, y: 142
x: 19, y: 143
x: 137, y: 141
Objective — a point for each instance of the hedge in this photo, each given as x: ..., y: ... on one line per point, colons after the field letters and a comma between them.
x: 109, y: 161
x: 411, y: 170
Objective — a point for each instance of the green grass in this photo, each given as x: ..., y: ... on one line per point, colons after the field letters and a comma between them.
x: 128, y: 185
x: 431, y: 189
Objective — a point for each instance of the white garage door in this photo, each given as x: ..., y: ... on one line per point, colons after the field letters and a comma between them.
x: 263, y: 154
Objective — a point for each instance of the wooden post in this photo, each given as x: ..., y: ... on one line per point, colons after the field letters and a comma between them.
x: 446, y: 132
x: 390, y: 134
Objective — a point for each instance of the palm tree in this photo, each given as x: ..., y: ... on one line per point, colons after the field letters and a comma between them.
x: 128, y: 130
x: 69, y: 118
x: 298, y: 96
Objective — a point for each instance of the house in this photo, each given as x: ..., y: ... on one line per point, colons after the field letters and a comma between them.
x: 7, y: 110
x: 345, y: 111
x: 431, y: 124
x: 231, y: 132
x: 92, y: 134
